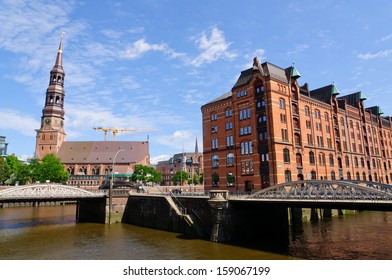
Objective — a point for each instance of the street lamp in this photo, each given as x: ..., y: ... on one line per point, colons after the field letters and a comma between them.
x: 111, y: 186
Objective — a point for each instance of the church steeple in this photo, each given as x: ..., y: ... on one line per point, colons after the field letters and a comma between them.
x: 51, y: 134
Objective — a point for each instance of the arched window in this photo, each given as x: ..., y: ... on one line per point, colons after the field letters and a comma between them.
x: 215, y: 161
x: 375, y: 177
x: 230, y: 179
x: 347, y: 161
x: 331, y: 161
x: 286, y: 155
x: 230, y: 159
x: 298, y: 159
x: 363, y: 176
x: 357, y: 177
x: 341, y: 121
x: 311, y: 158
x: 287, y: 176
x: 362, y: 162
x: 307, y: 111
x: 313, y: 175
x: 297, y: 139
x: 215, y: 180
x: 355, y: 161
x: 333, y: 176
x: 348, y: 176
x: 321, y: 159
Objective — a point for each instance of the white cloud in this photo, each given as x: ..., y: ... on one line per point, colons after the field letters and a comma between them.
x: 298, y: 48
x: 380, y: 54
x: 213, y: 48
x: 18, y: 121
x: 179, y: 139
x: 140, y: 47
x: 156, y: 159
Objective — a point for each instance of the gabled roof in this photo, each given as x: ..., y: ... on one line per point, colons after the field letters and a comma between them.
x: 323, y: 94
x: 375, y: 110
x: 222, y: 97
x: 353, y: 98
x: 91, y: 152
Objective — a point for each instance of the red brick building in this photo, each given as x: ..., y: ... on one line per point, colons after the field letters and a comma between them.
x: 269, y: 129
x: 88, y: 162
x: 190, y: 162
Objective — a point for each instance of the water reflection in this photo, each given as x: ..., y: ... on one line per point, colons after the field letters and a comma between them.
x: 51, y: 233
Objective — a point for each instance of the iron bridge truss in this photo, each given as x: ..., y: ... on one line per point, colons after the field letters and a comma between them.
x: 46, y: 191
x: 326, y: 190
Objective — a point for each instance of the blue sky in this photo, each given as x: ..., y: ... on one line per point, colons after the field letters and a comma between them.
x: 152, y: 64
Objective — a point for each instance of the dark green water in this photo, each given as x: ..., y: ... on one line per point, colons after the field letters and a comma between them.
x: 51, y: 233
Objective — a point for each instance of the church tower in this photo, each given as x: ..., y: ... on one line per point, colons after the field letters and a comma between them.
x: 51, y: 134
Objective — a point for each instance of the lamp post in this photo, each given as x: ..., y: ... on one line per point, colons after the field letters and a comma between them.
x: 111, y: 186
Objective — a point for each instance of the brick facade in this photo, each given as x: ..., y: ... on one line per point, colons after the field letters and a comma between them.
x: 268, y: 130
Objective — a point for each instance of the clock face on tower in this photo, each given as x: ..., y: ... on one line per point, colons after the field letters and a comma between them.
x: 48, y: 121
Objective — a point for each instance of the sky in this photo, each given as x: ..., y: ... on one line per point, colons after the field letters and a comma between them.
x: 150, y: 65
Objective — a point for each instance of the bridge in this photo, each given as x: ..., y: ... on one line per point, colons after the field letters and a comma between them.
x: 325, y: 194
x: 46, y: 192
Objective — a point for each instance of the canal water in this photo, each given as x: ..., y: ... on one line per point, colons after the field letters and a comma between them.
x: 39, y: 233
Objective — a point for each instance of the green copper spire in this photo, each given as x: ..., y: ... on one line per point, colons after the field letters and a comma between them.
x: 379, y: 111
x: 362, y: 97
x: 334, y: 90
x: 294, y: 72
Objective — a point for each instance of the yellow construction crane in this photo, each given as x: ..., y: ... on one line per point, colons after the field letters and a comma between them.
x: 115, y: 131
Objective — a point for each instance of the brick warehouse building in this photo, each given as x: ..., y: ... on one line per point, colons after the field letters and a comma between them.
x: 88, y: 162
x: 268, y: 130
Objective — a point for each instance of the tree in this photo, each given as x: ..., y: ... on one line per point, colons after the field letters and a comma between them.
x: 143, y: 173
x: 180, y: 177
x: 50, y: 169
x: 4, y: 170
x: 196, y: 179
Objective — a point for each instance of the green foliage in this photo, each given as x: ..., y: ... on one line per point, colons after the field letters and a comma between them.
x: 51, y: 169
x: 4, y: 170
x: 180, y: 177
x: 16, y: 171
x: 143, y: 173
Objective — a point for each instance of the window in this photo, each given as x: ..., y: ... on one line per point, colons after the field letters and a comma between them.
x: 310, y: 140
x: 333, y: 176
x: 284, y: 135
x: 298, y: 159
x: 355, y: 161
x: 362, y: 162
x: 215, y: 143
x: 230, y: 180
x: 307, y: 111
x: 229, y: 141
x: 247, y: 167
x: 331, y: 160
x: 246, y: 148
x: 286, y: 155
x: 214, y: 129
x: 317, y: 114
x: 357, y: 177
x: 348, y: 176
x: 229, y: 113
x: 287, y: 176
x: 297, y: 139
x: 347, y: 161
x: 321, y: 159
x: 215, y: 180
x: 313, y: 175
x: 326, y: 117
x: 281, y: 104
x: 215, y: 161
x: 311, y: 158
x: 214, y: 117
x: 230, y: 159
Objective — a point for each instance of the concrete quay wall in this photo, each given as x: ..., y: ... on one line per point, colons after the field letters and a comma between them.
x: 155, y: 212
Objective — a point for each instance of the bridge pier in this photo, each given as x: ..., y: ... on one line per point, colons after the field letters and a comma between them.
x: 314, y: 215
x: 296, y: 216
x: 219, y: 208
x: 327, y: 213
